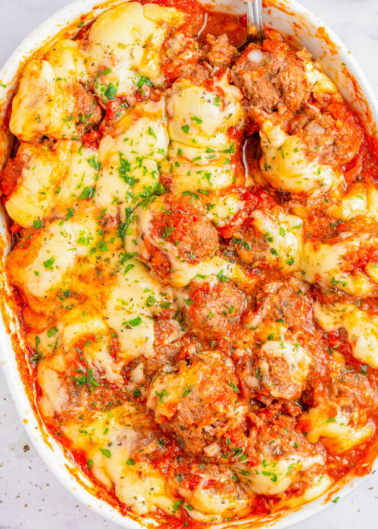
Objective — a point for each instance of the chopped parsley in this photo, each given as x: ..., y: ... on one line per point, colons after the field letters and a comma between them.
x: 106, y: 452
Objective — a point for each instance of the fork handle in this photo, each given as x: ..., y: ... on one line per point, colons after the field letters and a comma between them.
x: 255, y: 21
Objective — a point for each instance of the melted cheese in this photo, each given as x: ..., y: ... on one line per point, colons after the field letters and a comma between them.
x: 340, y: 436
x: 193, y: 175
x: 217, y: 266
x: 124, y: 44
x: 284, y: 236
x: 198, y: 117
x: 182, y: 272
x: 360, y: 200
x: 285, y: 165
x: 137, y: 483
x: 322, y: 84
x: 187, y: 177
x: 57, y: 255
x: 84, y: 321
x: 129, y: 157
x: 211, y: 505
x: 276, y: 474
x: 135, y: 298
x: 319, y: 486
x: 79, y: 180
x: 223, y: 209
x: 360, y: 326
x: 44, y: 104
x: 67, y: 61
x: 51, y: 180
x: 298, y: 363
x: 54, y: 398
x: 325, y: 264
x: 46, y: 266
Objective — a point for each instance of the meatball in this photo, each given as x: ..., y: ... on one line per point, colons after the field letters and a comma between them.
x: 349, y: 132
x: 214, y: 307
x: 220, y: 52
x: 273, y: 354
x: 276, y: 370
x: 253, y: 248
x: 272, y: 76
x: 198, y: 401
x: 185, y: 227
x: 181, y: 54
x: 174, y: 238
x: 272, y: 239
x: 341, y: 415
x: 330, y: 137
x: 287, y: 301
x: 89, y: 111
x: 278, y: 458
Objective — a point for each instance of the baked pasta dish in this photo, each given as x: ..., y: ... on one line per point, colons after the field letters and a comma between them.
x: 194, y: 264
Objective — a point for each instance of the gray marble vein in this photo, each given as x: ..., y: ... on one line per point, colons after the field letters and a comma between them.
x: 30, y: 497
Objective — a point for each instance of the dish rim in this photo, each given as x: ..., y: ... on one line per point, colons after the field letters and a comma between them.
x: 52, y: 455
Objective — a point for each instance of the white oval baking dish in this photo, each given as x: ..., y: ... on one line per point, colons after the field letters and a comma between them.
x: 339, y: 64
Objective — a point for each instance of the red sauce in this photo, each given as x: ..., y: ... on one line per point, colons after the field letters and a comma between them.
x: 221, y: 23
x: 10, y: 175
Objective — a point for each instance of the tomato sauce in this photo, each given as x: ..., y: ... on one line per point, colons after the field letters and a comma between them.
x: 219, y: 23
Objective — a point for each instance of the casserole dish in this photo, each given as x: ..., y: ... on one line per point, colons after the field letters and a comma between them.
x: 307, y: 32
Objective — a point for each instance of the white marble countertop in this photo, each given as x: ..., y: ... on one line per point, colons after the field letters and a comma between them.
x: 30, y: 496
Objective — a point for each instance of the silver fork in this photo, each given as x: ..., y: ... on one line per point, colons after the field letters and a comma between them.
x: 255, y: 24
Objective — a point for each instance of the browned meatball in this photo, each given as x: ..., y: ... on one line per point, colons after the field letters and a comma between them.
x: 273, y: 371
x: 89, y: 111
x: 331, y: 137
x: 199, y: 401
x: 287, y: 301
x: 272, y: 75
x: 214, y: 307
x: 178, y: 230
x: 220, y: 52
x: 270, y: 361
x: 180, y: 56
